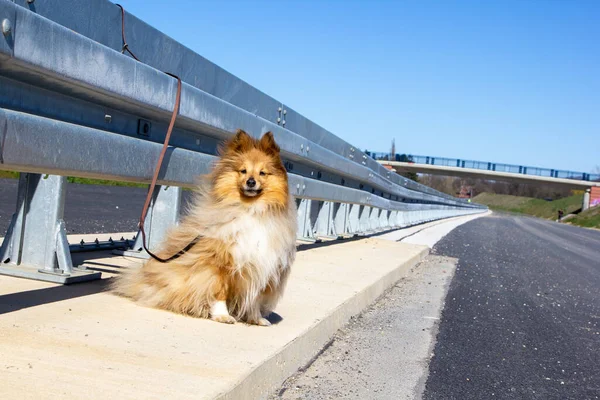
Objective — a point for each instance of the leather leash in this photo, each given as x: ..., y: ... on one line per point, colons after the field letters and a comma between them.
x: 160, y: 158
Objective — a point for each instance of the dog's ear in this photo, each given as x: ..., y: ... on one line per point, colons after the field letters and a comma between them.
x: 268, y: 145
x: 240, y: 142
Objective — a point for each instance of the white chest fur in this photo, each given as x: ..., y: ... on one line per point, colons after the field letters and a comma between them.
x: 260, y: 244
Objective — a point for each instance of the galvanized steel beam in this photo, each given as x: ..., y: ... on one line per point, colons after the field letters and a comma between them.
x: 100, y: 21
x: 107, y: 77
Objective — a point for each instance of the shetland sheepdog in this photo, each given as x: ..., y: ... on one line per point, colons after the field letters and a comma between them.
x: 244, y: 221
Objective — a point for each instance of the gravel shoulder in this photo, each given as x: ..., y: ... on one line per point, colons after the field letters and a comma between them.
x: 384, y: 352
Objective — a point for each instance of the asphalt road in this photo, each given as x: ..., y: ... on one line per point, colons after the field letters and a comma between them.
x: 88, y: 208
x: 522, y: 317
x: 521, y: 320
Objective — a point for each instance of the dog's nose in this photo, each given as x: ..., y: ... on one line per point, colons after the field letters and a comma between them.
x: 251, y: 182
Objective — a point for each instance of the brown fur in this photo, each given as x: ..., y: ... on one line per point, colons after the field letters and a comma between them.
x: 247, y: 244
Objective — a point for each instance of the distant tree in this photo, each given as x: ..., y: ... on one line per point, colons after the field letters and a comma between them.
x: 451, y: 185
x: 411, y: 175
x: 444, y: 184
x: 405, y: 158
x: 393, y: 149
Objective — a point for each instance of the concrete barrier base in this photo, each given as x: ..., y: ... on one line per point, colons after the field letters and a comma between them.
x: 82, y: 342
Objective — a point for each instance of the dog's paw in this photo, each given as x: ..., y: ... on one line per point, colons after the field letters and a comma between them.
x: 224, y: 319
x: 259, y: 322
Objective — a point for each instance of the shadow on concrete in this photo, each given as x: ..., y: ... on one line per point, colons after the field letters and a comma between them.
x: 274, y: 318
x: 325, y: 243
x: 32, y: 298
x: 37, y: 297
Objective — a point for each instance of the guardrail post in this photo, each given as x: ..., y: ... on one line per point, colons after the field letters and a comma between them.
x: 36, y: 245
x: 162, y: 214
x: 400, y: 219
x: 354, y: 219
x: 410, y: 218
x: 384, y: 219
x: 364, y: 221
x: 393, y: 219
x: 305, y: 220
x: 374, y: 219
x: 341, y: 219
x: 324, y: 226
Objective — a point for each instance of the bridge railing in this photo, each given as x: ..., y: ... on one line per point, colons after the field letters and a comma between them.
x: 485, y: 165
x: 72, y: 105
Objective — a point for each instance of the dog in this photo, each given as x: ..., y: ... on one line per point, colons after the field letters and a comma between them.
x: 244, y: 221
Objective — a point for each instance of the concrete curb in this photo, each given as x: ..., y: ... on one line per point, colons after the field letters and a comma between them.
x: 280, y: 366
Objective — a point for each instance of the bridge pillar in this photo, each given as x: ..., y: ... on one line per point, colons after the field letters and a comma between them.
x: 586, y: 199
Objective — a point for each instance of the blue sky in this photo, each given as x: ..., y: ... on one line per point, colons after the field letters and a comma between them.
x: 505, y: 81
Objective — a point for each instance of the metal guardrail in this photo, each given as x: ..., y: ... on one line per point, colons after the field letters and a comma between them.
x: 84, y: 109
x: 488, y: 166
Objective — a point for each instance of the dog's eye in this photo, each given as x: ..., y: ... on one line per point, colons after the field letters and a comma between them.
x: 243, y: 171
x: 262, y: 173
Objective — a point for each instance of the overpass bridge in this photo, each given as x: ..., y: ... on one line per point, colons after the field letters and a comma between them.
x: 491, y: 171
x: 487, y: 170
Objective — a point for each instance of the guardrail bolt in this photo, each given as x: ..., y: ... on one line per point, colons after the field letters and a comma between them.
x: 108, y: 118
x: 284, y: 112
x: 6, y: 27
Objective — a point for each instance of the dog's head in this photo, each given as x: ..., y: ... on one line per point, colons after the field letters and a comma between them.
x: 250, y: 171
